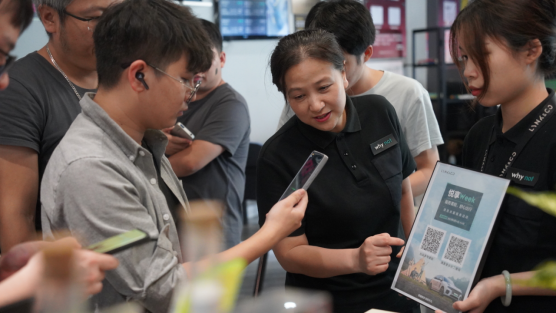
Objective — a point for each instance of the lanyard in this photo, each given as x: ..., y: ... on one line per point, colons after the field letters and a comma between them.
x: 546, y: 112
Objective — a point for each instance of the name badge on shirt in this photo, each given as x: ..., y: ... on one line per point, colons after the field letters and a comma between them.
x: 522, y: 177
x: 383, y: 144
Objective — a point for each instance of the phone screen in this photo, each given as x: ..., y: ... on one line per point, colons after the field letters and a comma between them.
x: 307, y: 173
x: 120, y: 242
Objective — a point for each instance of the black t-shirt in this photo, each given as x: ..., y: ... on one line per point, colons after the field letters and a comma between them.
x: 526, y: 235
x: 356, y: 195
x: 37, y: 109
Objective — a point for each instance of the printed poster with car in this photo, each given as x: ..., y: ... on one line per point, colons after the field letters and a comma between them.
x: 448, y: 239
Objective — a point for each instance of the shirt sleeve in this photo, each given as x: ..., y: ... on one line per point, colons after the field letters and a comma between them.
x: 272, y: 181
x: 21, y: 117
x: 226, y: 125
x: 419, y: 122
x: 287, y: 113
x: 408, y: 164
x: 99, y: 202
x: 432, y: 122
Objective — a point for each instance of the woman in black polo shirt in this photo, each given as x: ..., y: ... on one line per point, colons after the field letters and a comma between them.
x: 347, y: 243
x: 506, y: 48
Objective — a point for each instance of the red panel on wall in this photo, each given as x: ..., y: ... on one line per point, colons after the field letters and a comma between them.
x: 389, y: 19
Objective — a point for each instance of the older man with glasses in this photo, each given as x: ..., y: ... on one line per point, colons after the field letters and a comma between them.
x: 22, y: 268
x: 39, y: 105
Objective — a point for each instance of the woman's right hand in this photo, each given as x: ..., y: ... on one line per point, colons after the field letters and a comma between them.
x: 285, y: 216
x: 374, y: 254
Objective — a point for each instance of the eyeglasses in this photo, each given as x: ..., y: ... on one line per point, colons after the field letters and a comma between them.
x: 9, y: 61
x: 91, y: 22
x: 192, y: 89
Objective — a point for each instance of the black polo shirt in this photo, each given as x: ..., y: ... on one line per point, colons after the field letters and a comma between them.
x: 526, y: 235
x: 356, y: 195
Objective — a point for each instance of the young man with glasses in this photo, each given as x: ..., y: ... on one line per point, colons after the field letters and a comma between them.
x: 39, y: 106
x: 109, y: 174
x: 213, y: 165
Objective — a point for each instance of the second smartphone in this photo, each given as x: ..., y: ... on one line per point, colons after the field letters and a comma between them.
x: 180, y: 130
x: 310, y: 169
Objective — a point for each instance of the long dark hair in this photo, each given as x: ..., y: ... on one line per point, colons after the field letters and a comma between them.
x: 511, y: 22
x: 293, y: 49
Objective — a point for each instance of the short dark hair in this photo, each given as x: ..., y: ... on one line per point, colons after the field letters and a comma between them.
x: 513, y: 23
x: 213, y: 33
x: 158, y: 32
x: 305, y: 44
x: 348, y: 20
x: 22, y: 12
x: 58, y: 5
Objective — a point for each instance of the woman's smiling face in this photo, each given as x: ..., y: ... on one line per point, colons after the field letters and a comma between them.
x: 315, y: 90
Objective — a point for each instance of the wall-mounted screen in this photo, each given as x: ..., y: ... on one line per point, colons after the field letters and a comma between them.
x: 252, y: 19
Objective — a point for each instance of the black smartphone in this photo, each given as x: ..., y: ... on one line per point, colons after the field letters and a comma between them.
x: 180, y: 130
x: 310, y: 169
x: 120, y: 242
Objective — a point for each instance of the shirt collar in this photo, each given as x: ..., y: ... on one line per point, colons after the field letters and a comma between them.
x: 324, y: 138
x: 154, y: 138
x: 520, y: 130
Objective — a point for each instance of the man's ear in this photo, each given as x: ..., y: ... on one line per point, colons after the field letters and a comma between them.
x: 49, y: 18
x: 222, y: 59
x: 137, y: 76
x: 367, y: 54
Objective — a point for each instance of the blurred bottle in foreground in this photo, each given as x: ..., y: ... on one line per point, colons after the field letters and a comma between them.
x: 59, y: 291
x: 212, y: 286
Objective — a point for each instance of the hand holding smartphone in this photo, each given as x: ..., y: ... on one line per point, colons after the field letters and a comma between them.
x: 308, y: 172
x: 181, y: 131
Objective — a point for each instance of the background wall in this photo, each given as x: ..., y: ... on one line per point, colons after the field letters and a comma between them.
x: 247, y: 68
x: 248, y: 72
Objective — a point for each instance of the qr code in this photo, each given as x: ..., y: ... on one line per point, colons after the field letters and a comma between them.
x: 432, y: 240
x: 456, y: 249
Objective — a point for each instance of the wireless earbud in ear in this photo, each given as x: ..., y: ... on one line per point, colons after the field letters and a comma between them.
x: 141, y: 77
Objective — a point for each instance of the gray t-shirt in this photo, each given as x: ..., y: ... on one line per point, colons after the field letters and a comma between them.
x: 413, y: 107
x: 221, y: 118
x: 37, y: 109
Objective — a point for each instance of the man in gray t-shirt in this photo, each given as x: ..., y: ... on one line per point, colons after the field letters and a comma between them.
x: 213, y: 165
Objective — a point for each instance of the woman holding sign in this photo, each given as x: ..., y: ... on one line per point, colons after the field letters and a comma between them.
x: 505, y: 49
x: 347, y: 242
